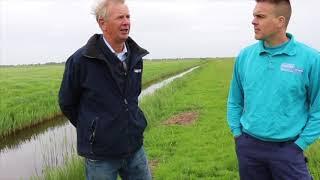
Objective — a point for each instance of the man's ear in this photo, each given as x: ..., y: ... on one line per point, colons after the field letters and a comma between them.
x: 102, y: 23
x: 282, y: 21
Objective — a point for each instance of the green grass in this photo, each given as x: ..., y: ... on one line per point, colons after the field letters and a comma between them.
x: 156, y: 70
x: 313, y: 155
x: 203, y: 150
x: 29, y: 93
x: 73, y: 170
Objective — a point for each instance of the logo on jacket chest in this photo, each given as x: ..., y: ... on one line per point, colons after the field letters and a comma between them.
x: 137, y: 70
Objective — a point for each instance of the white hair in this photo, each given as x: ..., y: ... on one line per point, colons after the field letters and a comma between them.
x: 101, y: 7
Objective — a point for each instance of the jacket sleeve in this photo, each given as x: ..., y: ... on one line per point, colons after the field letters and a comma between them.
x: 311, y: 132
x: 69, y: 93
x: 235, y: 101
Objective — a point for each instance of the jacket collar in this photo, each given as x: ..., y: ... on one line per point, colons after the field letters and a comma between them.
x: 289, y: 50
x: 92, y: 50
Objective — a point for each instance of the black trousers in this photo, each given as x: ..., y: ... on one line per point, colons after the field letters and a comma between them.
x: 261, y: 160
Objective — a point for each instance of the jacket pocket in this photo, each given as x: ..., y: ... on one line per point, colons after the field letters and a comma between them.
x: 139, y: 121
x: 105, y: 131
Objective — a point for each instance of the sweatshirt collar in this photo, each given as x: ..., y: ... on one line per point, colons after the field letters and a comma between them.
x: 289, y: 49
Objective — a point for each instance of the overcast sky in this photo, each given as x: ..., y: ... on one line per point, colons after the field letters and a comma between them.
x: 39, y: 31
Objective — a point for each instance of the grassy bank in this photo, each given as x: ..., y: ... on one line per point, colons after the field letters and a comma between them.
x: 201, y: 150
x: 73, y: 170
x: 29, y: 93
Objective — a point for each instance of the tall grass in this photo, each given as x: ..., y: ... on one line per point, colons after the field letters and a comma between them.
x: 73, y: 170
x: 29, y: 93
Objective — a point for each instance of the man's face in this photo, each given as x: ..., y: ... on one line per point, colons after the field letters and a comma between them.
x: 265, y: 22
x: 117, y: 25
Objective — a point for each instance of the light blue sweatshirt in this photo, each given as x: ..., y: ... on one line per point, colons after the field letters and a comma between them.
x: 275, y: 93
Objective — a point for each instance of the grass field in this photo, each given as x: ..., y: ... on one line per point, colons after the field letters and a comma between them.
x: 202, y: 150
x: 29, y: 93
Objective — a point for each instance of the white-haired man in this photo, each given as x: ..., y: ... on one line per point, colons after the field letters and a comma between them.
x: 99, y: 95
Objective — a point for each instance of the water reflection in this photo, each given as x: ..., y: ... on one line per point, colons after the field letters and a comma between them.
x: 29, y: 152
x: 14, y: 140
x: 151, y: 89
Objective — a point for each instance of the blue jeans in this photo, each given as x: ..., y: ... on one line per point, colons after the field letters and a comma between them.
x: 131, y: 168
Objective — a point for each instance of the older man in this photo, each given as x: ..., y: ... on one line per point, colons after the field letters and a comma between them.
x: 99, y: 95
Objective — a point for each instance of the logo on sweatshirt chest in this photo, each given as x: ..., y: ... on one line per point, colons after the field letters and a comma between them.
x: 286, y: 67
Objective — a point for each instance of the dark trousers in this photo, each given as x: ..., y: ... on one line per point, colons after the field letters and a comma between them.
x: 261, y: 160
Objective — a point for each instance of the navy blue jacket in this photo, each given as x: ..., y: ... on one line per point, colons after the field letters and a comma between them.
x: 100, y: 98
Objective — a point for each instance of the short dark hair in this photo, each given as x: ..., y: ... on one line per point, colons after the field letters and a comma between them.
x: 274, y: 1
x: 283, y: 8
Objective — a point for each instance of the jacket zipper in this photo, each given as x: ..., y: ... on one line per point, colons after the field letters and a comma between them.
x: 93, y: 134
